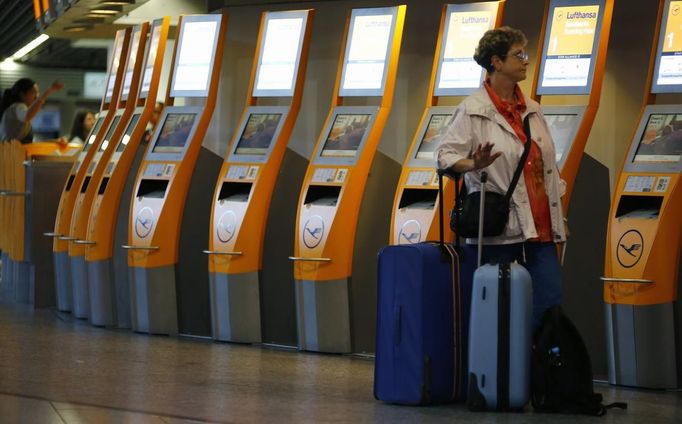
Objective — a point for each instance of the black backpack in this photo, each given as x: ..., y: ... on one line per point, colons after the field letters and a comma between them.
x: 561, y: 371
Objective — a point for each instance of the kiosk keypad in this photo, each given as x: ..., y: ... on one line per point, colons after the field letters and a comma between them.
x: 324, y: 175
x: 639, y: 184
x: 237, y: 172
x: 419, y: 178
x: 154, y: 170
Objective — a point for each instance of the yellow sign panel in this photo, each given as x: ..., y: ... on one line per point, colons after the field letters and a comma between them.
x: 573, y: 30
x: 673, y: 29
x: 464, y: 31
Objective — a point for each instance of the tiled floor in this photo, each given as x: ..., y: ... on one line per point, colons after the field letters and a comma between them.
x: 57, y: 370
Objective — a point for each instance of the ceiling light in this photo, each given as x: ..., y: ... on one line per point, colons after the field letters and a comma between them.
x: 107, y: 10
x: 102, y: 13
x: 77, y: 28
x: 30, y: 46
x: 117, y: 2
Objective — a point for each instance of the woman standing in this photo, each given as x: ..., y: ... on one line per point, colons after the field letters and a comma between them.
x: 82, y: 125
x: 491, y: 118
x: 19, y: 105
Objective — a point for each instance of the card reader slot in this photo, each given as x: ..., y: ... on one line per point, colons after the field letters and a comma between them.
x: 155, y: 189
x: 633, y: 206
x: 86, y: 181
x: 234, y: 192
x: 103, y: 185
x: 69, y: 182
x: 415, y: 198
x: 322, y: 195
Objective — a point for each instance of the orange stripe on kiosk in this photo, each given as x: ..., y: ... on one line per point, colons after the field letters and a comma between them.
x: 335, y: 180
x: 455, y: 73
x: 67, y: 294
x: 166, y: 177
x: 642, y: 269
x: 110, y: 207
x: 248, y: 175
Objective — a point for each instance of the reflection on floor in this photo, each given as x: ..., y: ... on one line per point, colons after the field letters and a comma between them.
x: 54, y: 369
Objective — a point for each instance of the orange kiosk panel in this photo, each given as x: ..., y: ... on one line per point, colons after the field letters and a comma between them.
x: 248, y: 175
x: 334, y: 184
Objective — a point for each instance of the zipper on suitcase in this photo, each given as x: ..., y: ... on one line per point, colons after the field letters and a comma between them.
x: 503, y: 330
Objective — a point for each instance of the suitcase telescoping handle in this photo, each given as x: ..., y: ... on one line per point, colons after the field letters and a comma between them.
x: 484, y: 180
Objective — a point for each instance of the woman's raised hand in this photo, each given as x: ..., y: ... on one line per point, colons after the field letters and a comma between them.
x: 483, y: 155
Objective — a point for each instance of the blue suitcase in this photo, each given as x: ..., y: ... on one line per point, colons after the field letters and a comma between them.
x: 422, y: 315
x: 500, y: 333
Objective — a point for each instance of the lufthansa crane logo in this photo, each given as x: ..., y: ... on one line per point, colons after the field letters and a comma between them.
x: 227, y: 226
x: 313, y: 230
x: 410, y: 232
x: 144, y: 221
x: 630, y: 248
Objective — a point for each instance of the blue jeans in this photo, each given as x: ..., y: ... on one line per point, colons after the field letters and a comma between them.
x: 542, y: 264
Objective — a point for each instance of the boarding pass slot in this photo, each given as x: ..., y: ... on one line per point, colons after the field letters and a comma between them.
x: 322, y: 195
x: 415, y: 198
x: 234, y: 192
x: 647, y: 207
x: 155, y: 189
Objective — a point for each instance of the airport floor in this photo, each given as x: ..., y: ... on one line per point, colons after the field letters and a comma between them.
x: 55, y: 369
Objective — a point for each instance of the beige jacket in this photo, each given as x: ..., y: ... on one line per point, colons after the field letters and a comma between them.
x: 477, y: 121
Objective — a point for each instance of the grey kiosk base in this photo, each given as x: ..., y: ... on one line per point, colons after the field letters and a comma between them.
x: 81, y: 291
x: 153, y: 300
x: 323, y: 315
x: 62, y: 274
x: 235, y: 307
x: 17, y: 280
x: 643, y: 345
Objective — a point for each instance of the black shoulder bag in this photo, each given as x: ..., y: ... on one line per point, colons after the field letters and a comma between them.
x: 496, y: 209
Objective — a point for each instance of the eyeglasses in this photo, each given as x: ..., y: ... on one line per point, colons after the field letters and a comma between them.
x: 522, y: 56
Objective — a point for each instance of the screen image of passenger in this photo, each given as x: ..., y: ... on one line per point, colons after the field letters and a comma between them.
x: 126, y: 137
x: 661, y: 140
x: 561, y: 128
x: 93, y: 134
x: 258, y: 134
x: 174, y: 132
x: 345, y: 136
x: 437, y: 125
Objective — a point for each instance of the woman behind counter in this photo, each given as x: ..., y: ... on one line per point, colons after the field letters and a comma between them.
x: 19, y: 105
x: 82, y: 125
x: 492, y: 117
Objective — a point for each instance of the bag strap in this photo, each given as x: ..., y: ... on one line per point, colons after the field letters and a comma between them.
x: 524, y: 156
x: 441, y: 214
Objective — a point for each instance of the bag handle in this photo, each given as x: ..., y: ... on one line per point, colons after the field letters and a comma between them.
x: 524, y: 156
x: 441, y: 208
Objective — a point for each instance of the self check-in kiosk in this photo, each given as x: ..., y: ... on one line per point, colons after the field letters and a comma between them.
x: 572, y: 56
x: 336, y: 177
x: 246, y: 181
x: 69, y: 298
x: 642, y: 267
x: 455, y: 73
x: 107, y: 262
x: 85, y: 196
x: 164, y: 177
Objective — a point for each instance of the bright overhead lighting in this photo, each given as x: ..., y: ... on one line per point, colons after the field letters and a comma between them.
x: 117, y: 3
x: 8, y: 65
x: 102, y: 12
x: 30, y: 46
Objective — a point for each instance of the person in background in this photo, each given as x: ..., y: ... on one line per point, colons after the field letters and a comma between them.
x: 156, y: 114
x: 493, y: 117
x: 82, y: 125
x: 19, y: 105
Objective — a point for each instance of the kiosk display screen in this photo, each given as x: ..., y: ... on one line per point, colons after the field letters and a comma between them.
x: 562, y: 127
x: 129, y: 131
x: 193, y: 65
x: 113, y: 69
x: 437, y: 125
x: 130, y: 64
x: 109, y: 134
x: 668, y: 70
x: 174, y: 132
x: 93, y: 134
x: 151, y: 59
x: 345, y: 135
x: 367, y: 53
x: 458, y: 72
x: 279, y: 55
x: 258, y: 134
x: 661, y: 140
x: 567, y: 64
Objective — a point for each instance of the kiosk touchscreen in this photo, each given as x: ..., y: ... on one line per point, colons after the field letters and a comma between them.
x: 644, y: 238
x: 455, y: 73
x: 62, y: 238
x: 572, y: 53
x: 124, y: 108
x: 172, y: 164
x: 328, y: 246
x: 247, y: 179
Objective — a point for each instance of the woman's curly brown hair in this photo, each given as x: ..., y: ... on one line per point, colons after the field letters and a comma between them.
x: 497, y: 41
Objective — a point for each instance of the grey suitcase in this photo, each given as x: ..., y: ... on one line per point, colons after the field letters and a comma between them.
x: 500, y: 336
